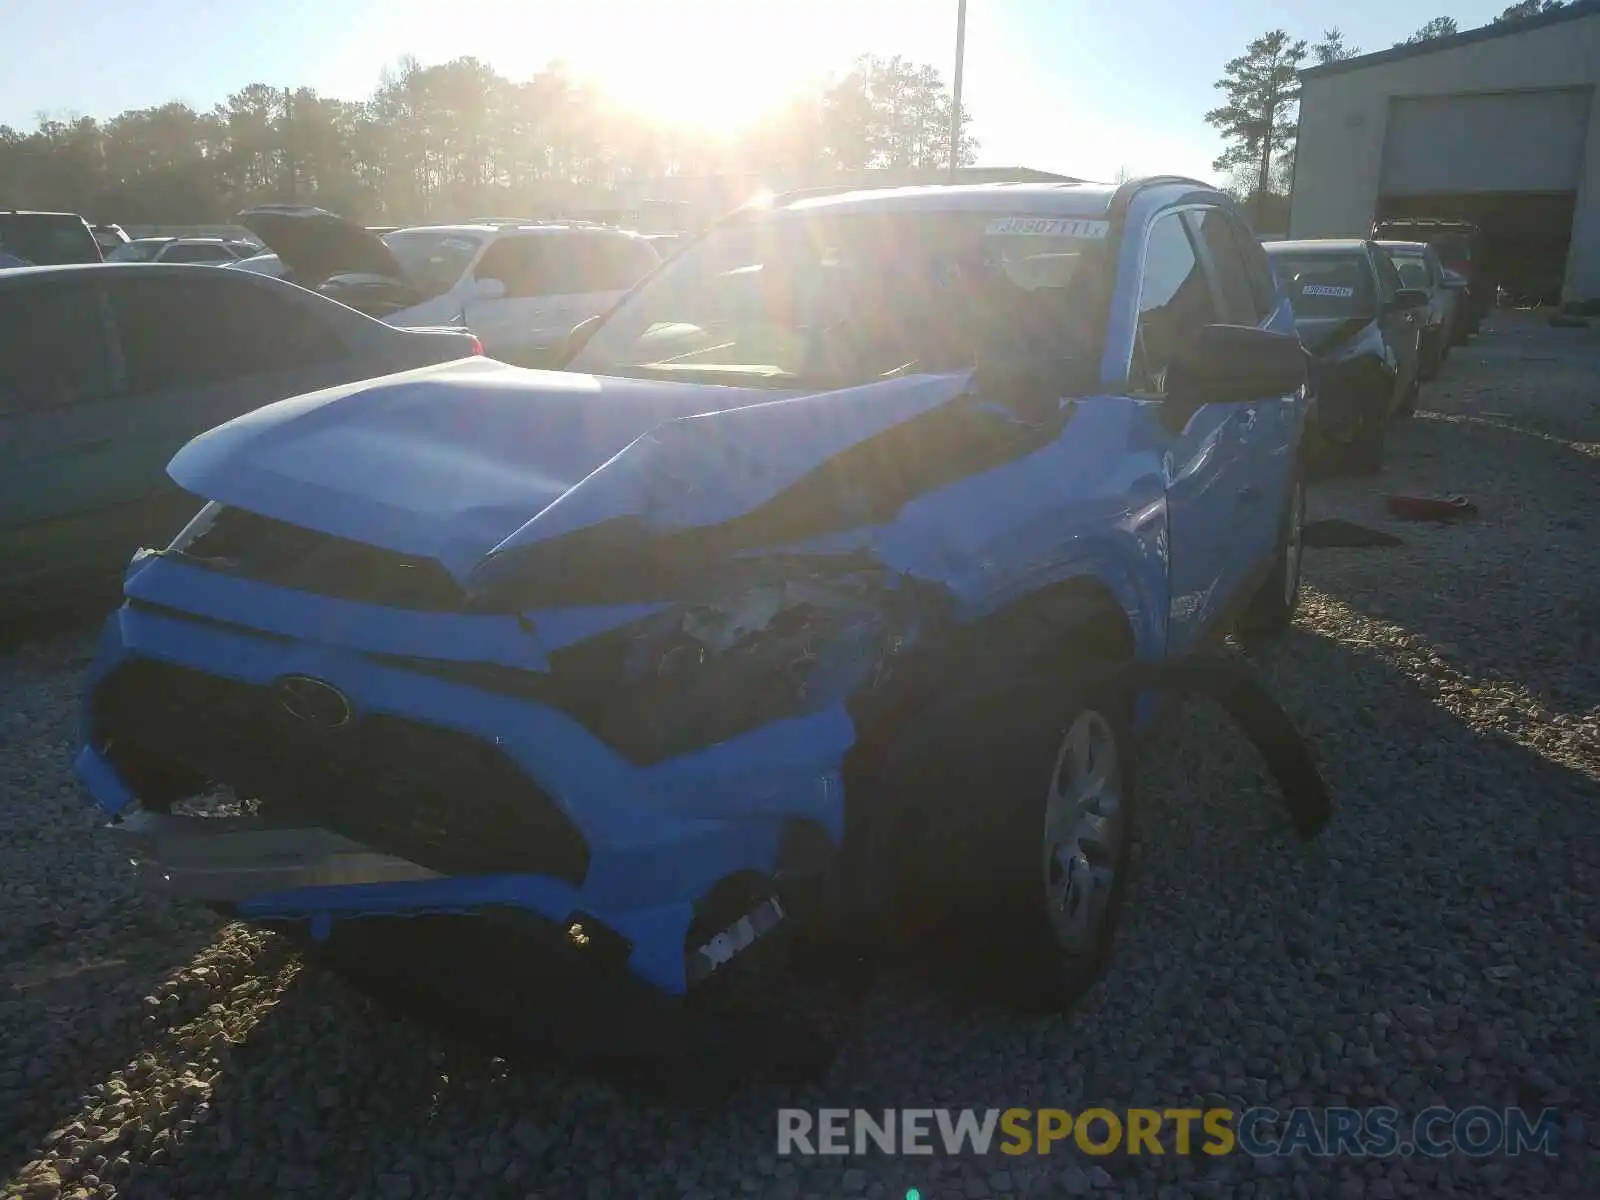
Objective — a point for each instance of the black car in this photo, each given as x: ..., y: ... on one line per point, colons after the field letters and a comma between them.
x: 1364, y: 331
x: 1459, y: 245
x: 48, y: 239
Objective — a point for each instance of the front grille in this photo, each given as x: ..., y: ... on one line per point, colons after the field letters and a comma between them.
x: 439, y: 798
x: 271, y: 551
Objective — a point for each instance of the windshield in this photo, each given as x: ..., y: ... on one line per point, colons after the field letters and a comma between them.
x: 1413, y: 270
x: 836, y: 300
x: 1326, y: 285
x: 434, y: 261
x: 135, y: 252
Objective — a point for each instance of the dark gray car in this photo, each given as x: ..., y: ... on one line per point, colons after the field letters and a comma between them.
x: 107, y: 370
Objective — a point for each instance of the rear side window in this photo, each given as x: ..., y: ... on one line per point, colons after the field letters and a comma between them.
x: 196, y: 253
x: 48, y: 239
x: 577, y: 263
x: 1413, y: 269
x: 1238, y: 299
x: 180, y: 333
x: 53, y: 348
x: 1327, y: 285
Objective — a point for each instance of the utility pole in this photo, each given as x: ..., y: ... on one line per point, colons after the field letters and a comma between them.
x: 955, y: 99
x: 288, y: 145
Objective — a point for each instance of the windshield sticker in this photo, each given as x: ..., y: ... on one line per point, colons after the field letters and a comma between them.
x: 1050, y: 227
x: 458, y: 243
x: 1327, y: 289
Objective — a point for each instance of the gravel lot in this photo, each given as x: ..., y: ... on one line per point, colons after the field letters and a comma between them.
x: 1438, y: 945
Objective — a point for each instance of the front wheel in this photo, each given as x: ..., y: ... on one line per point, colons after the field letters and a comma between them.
x: 1050, y: 854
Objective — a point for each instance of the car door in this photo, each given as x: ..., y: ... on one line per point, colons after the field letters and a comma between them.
x: 200, y: 348
x: 63, y: 417
x: 1264, y: 429
x: 1402, y: 329
x: 516, y: 326
x: 1176, y: 298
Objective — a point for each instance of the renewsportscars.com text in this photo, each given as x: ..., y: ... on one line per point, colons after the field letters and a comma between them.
x: 1259, y: 1132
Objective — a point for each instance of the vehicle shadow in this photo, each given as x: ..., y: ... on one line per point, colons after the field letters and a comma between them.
x: 1242, y: 951
x: 1528, y: 556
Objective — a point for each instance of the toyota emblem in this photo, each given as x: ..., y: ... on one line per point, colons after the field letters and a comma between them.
x: 314, y: 702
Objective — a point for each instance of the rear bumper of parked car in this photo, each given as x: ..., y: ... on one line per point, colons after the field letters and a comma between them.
x: 460, y: 803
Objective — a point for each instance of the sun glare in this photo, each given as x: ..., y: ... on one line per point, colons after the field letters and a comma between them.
x: 719, y: 75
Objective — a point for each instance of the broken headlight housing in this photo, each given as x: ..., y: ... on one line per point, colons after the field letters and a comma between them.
x: 703, y: 673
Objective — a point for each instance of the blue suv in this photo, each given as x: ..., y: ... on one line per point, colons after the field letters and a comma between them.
x: 824, y: 588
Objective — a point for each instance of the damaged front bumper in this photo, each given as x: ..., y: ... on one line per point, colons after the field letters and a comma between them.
x: 442, y: 799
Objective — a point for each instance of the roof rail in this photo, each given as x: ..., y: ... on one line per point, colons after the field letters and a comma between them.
x: 834, y: 189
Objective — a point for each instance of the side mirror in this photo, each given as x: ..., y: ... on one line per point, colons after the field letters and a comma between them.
x: 1408, y: 298
x: 488, y: 289
x: 1225, y: 364
x: 576, y: 341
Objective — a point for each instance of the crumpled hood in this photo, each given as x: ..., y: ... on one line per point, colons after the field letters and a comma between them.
x: 456, y: 461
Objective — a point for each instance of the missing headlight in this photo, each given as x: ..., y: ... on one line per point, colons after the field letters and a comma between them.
x: 705, y: 672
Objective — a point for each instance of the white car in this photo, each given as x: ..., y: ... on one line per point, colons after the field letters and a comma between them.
x: 521, y: 288
x: 182, y: 250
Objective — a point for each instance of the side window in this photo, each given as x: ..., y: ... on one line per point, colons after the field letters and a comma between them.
x: 1222, y: 248
x: 645, y: 258
x: 1388, y: 277
x: 512, y: 261
x: 1174, y: 302
x: 180, y: 333
x: 193, y: 253
x: 53, y: 347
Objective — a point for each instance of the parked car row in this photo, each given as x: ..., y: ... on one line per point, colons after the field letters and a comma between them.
x: 1379, y: 318
x: 520, y: 285
x: 639, y: 673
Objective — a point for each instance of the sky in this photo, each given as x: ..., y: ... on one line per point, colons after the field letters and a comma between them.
x: 1057, y: 85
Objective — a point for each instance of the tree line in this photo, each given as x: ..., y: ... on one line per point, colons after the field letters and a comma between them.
x: 450, y: 140
x: 1258, y: 118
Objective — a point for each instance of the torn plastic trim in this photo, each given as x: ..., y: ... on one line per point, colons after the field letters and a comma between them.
x: 724, y: 947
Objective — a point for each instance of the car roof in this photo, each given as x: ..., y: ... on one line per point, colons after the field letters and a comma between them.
x: 1064, y: 199
x: 113, y: 270
x: 35, y: 212
x: 502, y: 230
x: 1318, y: 246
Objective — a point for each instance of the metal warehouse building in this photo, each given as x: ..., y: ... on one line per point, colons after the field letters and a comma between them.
x: 1499, y: 125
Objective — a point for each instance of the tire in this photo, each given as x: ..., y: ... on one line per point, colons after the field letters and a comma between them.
x: 1271, y: 610
x: 1032, y: 842
x: 1362, y: 452
x: 1408, y: 405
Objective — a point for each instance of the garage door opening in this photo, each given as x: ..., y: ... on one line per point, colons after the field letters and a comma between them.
x: 1525, y: 235
x: 1511, y: 162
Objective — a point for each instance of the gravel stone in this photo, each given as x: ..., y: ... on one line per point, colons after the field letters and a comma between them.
x: 1436, y: 946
